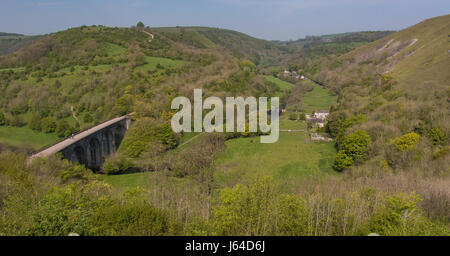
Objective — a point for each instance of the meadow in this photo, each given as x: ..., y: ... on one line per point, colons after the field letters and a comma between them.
x: 125, y: 181
x: 282, y: 84
x: 291, y: 159
x: 319, y: 98
x: 24, y: 136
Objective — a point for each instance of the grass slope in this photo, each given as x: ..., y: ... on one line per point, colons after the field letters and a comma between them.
x: 125, y: 181
x: 72, y: 75
x: 289, y: 160
x: 19, y: 136
x: 318, y: 99
x: 282, y: 84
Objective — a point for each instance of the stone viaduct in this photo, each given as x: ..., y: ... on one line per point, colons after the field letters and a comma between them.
x: 91, y: 146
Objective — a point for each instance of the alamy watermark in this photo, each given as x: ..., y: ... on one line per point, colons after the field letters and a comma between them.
x: 213, y: 120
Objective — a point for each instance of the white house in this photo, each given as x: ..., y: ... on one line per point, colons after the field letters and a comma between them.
x: 322, y: 114
x: 286, y: 73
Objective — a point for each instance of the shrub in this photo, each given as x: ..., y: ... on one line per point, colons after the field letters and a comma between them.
x: 302, y: 116
x: 293, y: 216
x: 334, y: 124
x: 116, y: 164
x: 74, y: 172
x: 35, y: 122
x: 436, y: 136
x: 407, y: 141
x: 132, y: 215
x: 352, y: 149
x: 3, y: 120
x: 87, y: 118
x: 123, y: 106
x: 293, y: 116
x: 342, y: 161
x: 142, y: 132
x: 440, y: 152
x: 63, y: 129
x: 245, y: 210
x: 399, y: 215
x: 48, y: 125
x: 17, y: 121
x: 58, y: 211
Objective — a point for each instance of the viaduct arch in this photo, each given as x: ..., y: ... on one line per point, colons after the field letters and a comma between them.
x: 90, y: 147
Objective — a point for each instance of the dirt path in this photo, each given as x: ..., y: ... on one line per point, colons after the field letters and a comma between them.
x: 291, y: 130
x: 189, y: 140
x: 151, y: 35
x: 75, y: 117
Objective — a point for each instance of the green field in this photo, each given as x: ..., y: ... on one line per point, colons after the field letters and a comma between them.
x: 288, y: 161
x: 293, y: 158
x: 318, y: 99
x: 152, y: 62
x: 282, y: 84
x: 125, y: 181
x: 24, y: 136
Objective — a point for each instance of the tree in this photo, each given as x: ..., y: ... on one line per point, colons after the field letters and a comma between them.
x: 3, y: 120
x: 140, y: 24
x: 35, y: 122
x: 144, y: 131
x: 48, y: 125
x: 302, y: 116
x: 335, y: 122
x: 17, y: 121
x: 293, y: 116
x: 342, y: 161
x: 87, y: 118
x: 246, y: 210
x: 123, y: 105
x: 352, y: 149
x: 63, y: 129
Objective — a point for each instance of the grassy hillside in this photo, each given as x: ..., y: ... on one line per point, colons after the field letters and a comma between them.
x: 394, y: 89
x: 10, y: 42
x: 318, y: 98
x: 291, y: 159
x: 24, y: 136
x: 282, y: 84
x: 413, y: 56
x: 288, y: 161
x: 83, y: 76
x: 240, y: 45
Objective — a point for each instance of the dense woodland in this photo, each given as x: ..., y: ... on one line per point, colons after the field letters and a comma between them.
x: 390, y: 128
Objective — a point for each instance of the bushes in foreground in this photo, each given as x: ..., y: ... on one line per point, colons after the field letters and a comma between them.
x: 53, y: 197
x: 257, y: 209
x: 89, y: 209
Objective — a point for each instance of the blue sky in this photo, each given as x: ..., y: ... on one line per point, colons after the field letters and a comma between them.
x: 268, y: 19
